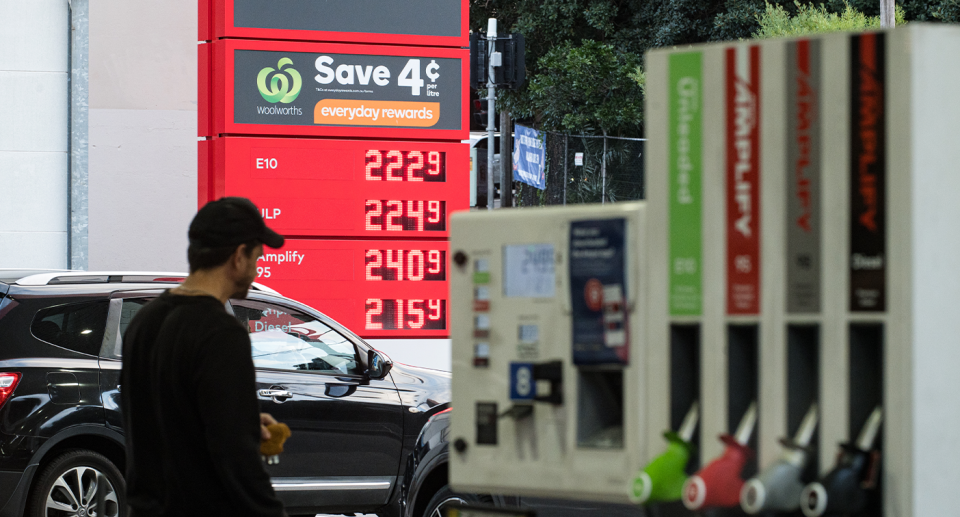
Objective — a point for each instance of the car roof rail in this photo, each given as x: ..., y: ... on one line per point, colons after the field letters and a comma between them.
x: 104, y: 277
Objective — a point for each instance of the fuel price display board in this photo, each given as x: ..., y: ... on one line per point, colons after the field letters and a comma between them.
x: 343, y: 121
x: 342, y: 188
x: 328, y: 89
x: 411, y: 22
x: 377, y: 288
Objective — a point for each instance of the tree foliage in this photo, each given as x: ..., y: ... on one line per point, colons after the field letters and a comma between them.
x: 810, y: 19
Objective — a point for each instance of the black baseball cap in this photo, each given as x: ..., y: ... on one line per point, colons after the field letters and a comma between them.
x: 231, y: 221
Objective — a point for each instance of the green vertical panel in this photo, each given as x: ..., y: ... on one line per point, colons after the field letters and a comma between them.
x: 686, y: 200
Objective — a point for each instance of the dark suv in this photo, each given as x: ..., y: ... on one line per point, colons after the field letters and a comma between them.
x: 355, y: 416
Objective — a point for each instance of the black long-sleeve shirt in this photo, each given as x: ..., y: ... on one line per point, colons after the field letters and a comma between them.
x: 190, y: 413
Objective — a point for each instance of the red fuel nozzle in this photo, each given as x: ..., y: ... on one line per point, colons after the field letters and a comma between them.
x: 718, y: 484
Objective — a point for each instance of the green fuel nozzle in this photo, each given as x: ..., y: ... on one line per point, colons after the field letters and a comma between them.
x: 662, y: 479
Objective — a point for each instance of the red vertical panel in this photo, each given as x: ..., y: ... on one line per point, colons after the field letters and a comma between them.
x: 204, y: 18
x: 204, y: 90
x: 204, y: 166
x: 217, y: 93
x: 743, y: 181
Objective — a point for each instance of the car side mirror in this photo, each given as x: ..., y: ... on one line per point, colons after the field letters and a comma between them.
x: 378, y: 365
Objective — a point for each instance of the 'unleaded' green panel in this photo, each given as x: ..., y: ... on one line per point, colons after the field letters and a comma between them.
x: 686, y: 95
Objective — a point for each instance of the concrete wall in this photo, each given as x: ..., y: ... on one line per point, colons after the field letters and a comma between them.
x: 34, y: 133
x: 142, y: 133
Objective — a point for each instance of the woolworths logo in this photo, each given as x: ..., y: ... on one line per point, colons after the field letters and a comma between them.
x: 280, y: 89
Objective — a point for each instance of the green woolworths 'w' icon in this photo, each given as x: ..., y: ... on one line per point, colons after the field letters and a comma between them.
x: 280, y: 89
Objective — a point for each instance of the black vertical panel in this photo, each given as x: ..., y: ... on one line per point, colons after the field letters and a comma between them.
x: 803, y: 384
x: 743, y: 381
x: 866, y: 374
x: 866, y: 393
x: 867, y: 261
x: 685, y: 381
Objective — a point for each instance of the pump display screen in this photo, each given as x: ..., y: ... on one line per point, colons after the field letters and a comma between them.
x: 346, y: 188
x: 376, y: 288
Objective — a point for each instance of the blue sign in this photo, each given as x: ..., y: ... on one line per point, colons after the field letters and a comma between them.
x: 529, y: 157
x: 522, y: 384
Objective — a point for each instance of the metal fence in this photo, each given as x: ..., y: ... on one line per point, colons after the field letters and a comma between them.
x: 588, y: 169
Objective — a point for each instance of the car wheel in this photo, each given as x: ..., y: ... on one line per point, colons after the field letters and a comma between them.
x: 446, y: 498
x: 68, y: 485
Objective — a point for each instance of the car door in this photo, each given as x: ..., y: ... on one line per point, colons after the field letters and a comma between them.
x: 123, y: 307
x: 346, y: 429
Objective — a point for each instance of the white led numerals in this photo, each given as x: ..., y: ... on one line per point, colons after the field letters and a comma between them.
x: 410, y: 76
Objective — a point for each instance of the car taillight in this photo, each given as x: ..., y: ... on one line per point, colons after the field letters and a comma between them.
x: 8, y: 383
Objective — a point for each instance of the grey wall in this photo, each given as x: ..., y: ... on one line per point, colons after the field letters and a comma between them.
x: 142, y: 133
x: 34, y: 172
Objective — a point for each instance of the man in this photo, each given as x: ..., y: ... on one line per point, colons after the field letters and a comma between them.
x: 190, y: 412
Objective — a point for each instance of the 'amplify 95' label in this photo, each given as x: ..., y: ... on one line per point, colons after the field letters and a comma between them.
x: 329, y: 89
x: 743, y: 179
x: 803, y: 176
x: 686, y: 102
x: 867, y: 174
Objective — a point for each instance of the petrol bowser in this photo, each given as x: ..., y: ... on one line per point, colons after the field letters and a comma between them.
x: 804, y: 249
x: 548, y: 326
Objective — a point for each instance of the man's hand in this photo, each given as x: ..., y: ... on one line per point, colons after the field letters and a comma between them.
x: 265, y: 420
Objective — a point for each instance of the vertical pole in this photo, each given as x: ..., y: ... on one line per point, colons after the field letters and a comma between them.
x: 887, y: 14
x: 603, y: 171
x: 506, y: 160
x: 491, y: 107
x: 566, y: 142
x: 78, y: 194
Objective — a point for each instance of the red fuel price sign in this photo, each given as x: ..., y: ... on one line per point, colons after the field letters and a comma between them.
x: 376, y: 288
x: 341, y: 188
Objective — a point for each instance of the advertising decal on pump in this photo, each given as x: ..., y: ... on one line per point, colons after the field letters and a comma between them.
x: 743, y: 179
x: 867, y: 174
x: 686, y: 197
x: 803, y: 176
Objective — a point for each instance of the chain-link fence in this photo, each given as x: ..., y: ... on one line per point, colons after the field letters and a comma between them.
x: 588, y: 169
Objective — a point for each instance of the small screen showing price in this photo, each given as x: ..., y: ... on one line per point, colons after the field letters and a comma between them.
x: 410, y: 166
x: 405, y: 265
x: 396, y: 215
x: 398, y: 314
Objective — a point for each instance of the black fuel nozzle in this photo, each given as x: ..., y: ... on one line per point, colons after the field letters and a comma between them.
x: 846, y: 488
x: 779, y: 486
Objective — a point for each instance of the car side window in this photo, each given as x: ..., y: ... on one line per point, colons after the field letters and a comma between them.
x: 287, y: 339
x: 129, y: 309
x: 75, y: 326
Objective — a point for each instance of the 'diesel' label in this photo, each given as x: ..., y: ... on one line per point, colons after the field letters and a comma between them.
x: 867, y: 174
x: 803, y: 176
x: 743, y: 179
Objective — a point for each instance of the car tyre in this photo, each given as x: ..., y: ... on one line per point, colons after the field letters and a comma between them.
x: 69, y: 483
x: 445, y: 498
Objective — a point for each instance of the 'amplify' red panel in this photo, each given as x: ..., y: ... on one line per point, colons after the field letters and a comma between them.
x: 346, y: 188
x: 286, y: 88
x: 377, y: 289
x: 440, y: 23
x: 743, y: 179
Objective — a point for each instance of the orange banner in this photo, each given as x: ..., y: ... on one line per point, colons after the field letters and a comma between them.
x: 376, y: 113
